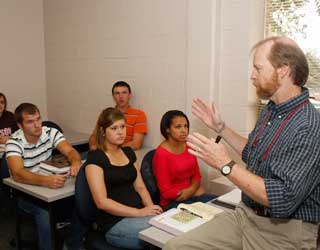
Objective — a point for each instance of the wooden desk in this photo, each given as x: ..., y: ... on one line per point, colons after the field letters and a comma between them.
x: 155, y: 236
x: 158, y: 237
x: 43, y: 193
x: 44, y: 197
x: 76, y: 138
x: 80, y: 141
x: 50, y: 195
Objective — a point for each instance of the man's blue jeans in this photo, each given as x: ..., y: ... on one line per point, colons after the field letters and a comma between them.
x: 125, y: 234
x: 42, y: 220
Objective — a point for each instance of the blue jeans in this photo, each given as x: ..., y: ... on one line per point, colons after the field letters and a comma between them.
x: 201, y: 198
x: 125, y: 234
x: 42, y: 220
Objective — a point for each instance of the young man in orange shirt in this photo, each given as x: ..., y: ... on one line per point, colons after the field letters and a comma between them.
x: 136, y: 121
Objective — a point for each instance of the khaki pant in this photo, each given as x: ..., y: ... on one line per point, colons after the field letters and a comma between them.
x: 243, y: 229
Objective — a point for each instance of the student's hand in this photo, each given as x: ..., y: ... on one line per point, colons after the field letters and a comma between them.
x: 56, y: 181
x: 208, y: 114
x: 3, y: 139
x: 150, y: 210
x: 74, y: 169
x: 184, y: 194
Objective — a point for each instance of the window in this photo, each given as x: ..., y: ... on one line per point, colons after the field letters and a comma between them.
x: 299, y: 20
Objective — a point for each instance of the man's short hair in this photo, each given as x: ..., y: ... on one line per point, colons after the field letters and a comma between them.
x: 285, y: 51
x: 121, y: 84
x: 25, y: 108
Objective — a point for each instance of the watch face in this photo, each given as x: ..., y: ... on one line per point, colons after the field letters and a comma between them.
x: 226, y: 170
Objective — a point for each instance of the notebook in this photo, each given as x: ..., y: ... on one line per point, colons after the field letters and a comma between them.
x: 57, y: 165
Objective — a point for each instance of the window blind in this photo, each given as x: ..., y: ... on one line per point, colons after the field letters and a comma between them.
x: 299, y: 20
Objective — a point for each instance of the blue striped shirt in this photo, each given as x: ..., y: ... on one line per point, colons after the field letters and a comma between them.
x: 291, y: 171
x: 32, y: 154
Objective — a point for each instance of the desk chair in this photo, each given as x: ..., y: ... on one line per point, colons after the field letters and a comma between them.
x: 52, y: 124
x: 148, y: 177
x: 86, y: 211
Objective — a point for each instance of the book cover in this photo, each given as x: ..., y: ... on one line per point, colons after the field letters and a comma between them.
x: 185, y: 217
x: 57, y: 165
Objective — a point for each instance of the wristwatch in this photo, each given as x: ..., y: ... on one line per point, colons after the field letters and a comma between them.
x: 226, y: 169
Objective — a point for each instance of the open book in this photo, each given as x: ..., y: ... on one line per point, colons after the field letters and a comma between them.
x: 185, y: 217
x: 57, y: 165
x: 230, y: 199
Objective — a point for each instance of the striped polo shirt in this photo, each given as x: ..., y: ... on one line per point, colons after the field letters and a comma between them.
x: 291, y: 170
x: 136, y: 122
x: 32, y: 154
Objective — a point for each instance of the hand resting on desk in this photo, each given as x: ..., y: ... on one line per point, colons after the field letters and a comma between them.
x: 56, y: 181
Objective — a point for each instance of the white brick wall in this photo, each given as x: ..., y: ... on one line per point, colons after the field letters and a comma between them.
x: 22, y: 66
x: 170, y: 51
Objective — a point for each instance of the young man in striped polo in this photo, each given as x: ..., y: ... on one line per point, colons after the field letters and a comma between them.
x: 25, y: 149
x: 136, y: 121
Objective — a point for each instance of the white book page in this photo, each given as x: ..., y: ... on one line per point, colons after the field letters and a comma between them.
x: 204, y: 210
x: 233, y: 197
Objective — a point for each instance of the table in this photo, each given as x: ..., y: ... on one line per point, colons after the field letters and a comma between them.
x: 155, y: 236
x: 76, y: 138
x: 43, y: 193
x: 80, y: 141
x: 158, y: 237
x: 45, y: 197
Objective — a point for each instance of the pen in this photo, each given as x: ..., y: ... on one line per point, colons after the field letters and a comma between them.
x: 189, y: 212
x: 218, y: 138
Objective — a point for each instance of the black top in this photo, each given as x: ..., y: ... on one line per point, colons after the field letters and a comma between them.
x: 119, y: 183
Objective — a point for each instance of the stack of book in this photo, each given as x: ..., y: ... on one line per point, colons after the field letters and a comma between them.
x: 57, y: 165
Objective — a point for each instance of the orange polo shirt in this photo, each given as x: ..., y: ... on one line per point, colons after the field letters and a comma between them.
x: 136, y: 122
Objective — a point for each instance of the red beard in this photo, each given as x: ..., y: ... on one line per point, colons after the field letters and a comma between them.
x: 269, y: 88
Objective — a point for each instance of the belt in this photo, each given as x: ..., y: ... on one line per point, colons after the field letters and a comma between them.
x: 260, y: 211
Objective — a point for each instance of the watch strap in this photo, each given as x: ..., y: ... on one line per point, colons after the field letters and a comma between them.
x: 230, y: 165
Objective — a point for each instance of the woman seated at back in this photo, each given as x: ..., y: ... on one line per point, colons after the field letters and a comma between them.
x: 8, y: 125
x: 116, y: 185
x: 176, y: 171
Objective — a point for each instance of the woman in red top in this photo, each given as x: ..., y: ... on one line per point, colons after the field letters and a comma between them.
x: 176, y: 171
